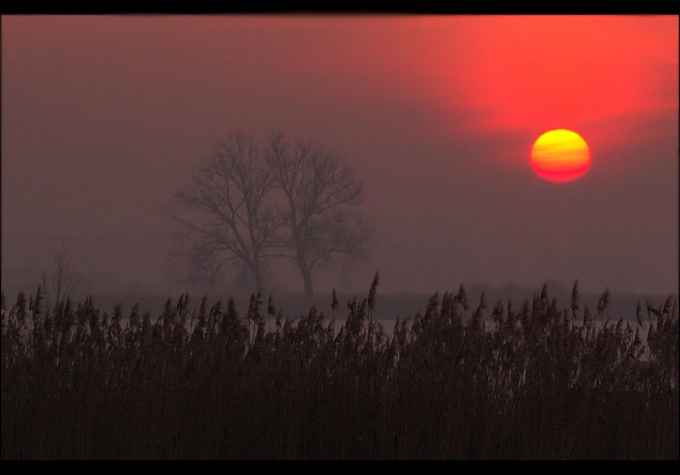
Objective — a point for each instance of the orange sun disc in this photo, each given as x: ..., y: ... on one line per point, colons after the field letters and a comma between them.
x: 560, y: 156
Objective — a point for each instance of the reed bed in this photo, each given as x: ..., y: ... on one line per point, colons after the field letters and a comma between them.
x: 537, y: 381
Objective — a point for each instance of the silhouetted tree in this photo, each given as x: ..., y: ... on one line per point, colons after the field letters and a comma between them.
x: 252, y: 203
x: 225, y: 213
x: 322, y: 197
x: 61, y: 282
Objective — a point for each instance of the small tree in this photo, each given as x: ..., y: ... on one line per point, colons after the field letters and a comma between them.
x: 61, y: 281
x: 321, y: 213
x: 225, y: 215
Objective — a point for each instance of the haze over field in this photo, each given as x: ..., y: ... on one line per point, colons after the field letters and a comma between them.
x: 103, y: 117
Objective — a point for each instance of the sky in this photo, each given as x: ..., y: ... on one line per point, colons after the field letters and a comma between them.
x: 103, y: 117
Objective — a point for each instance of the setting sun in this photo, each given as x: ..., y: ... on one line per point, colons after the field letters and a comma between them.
x: 560, y: 156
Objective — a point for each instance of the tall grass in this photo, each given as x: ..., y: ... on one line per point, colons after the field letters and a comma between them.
x: 539, y: 381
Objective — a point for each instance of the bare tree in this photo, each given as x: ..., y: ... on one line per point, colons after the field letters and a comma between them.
x: 61, y: 282
x: 225, y: 214
x: 250, y: 204
x: 322, y: 197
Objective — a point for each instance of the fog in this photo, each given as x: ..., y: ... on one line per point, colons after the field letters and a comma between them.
x: 104, y: 117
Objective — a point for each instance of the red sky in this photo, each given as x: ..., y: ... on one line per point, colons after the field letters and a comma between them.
x: 570, y: 71
x: 103, y: 116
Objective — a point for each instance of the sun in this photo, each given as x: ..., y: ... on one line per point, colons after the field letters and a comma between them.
x: 560, y: 156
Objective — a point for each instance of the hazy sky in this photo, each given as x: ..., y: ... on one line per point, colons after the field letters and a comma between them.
x: 103, y: 116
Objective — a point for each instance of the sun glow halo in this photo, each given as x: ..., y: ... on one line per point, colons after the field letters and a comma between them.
x: 560, y: 156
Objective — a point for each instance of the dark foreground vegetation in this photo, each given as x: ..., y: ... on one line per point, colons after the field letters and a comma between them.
x: 540, y: 381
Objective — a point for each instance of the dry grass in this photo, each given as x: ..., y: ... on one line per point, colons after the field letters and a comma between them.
x: 540, y: 381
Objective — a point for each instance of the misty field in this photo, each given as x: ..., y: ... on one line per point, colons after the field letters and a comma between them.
x: 202, y: 381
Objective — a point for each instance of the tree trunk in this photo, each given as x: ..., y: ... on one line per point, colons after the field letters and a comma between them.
x: 256, y: 269
x: 257, y: 276
x: 306, y: 274
x: 307, y: 279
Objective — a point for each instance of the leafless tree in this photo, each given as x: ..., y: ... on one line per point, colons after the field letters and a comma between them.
x: 225, y: 214
x: 321, y: 214
x: 61, y: 282
x: 253, y: 203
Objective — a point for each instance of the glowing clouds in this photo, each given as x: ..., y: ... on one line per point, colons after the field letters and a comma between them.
x: 521, y: 73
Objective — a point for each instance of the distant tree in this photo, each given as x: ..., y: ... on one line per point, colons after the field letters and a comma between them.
x: 251, y: 203
x: 321, y: 213
x: 60, y: 283
x: 225, y: 215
